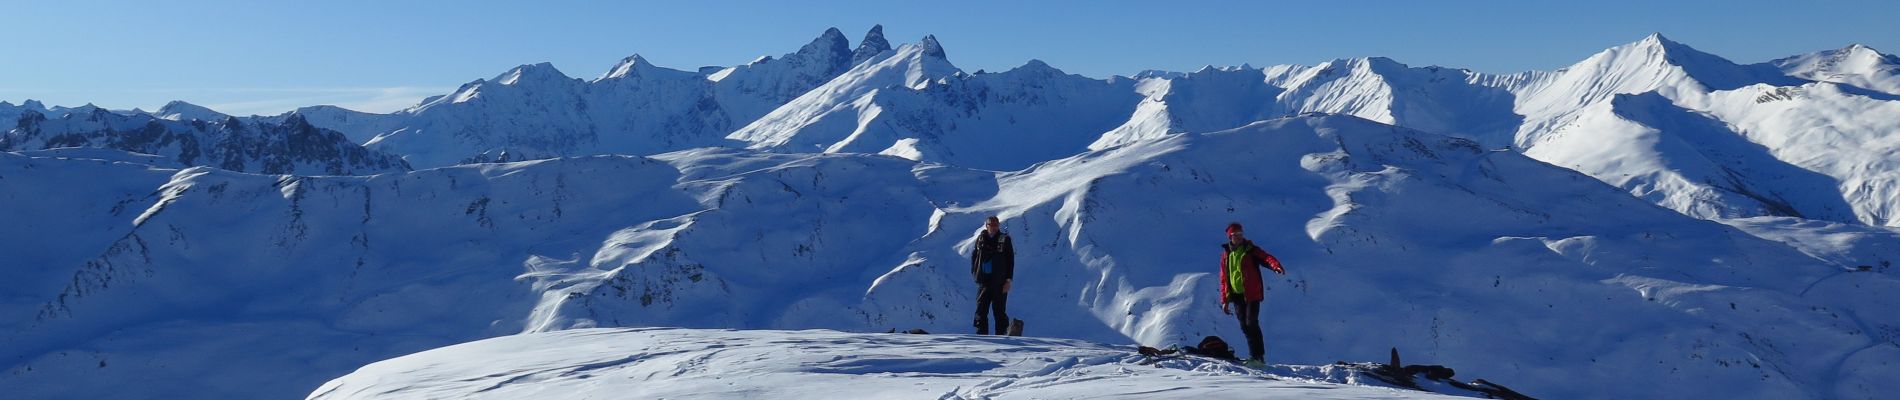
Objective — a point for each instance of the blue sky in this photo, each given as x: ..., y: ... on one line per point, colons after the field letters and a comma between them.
x: 267, y: 56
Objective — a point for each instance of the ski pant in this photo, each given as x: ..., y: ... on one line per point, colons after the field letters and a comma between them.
x: 990, y: 298
x: 1249, y: 314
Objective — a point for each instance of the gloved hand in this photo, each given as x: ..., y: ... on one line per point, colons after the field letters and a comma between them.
x: 1226, y: 309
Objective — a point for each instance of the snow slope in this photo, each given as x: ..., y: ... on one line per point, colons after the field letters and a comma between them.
x: 1855, y: 65
x: 996, y: 121
x: 208, y: 283
x: 686, y: 363
x: 1501, y: 266
x: 1689, y: 162
x: 831, y: 113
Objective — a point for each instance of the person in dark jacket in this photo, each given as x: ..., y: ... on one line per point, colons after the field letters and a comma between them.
x: 993, y: 265
x: 1240, y: 286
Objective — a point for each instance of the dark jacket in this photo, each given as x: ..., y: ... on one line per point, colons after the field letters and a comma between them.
x: 1250, y: 264
x: 1001, y: 254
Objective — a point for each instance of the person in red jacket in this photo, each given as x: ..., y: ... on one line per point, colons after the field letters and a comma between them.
x: 1240, y: 286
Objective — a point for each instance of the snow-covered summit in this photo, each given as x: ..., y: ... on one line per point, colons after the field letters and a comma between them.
x: 178, y: 110
x: 635, y: 66
x: 1156, y: 73
x: 1856, y: 65
x: 538, y: 73
x: 1654, y: 64
x: 931, y: 48
x: 827, y: 113
x: 695, y: 363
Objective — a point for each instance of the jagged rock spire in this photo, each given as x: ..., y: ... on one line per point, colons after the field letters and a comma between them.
x: 872, y: 44
x: 932, y: 48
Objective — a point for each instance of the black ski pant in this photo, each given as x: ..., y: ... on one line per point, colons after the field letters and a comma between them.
x: 991, y: 298
x: 1249, y: 314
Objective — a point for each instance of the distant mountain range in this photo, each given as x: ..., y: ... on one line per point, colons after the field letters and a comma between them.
x: 911, y: 102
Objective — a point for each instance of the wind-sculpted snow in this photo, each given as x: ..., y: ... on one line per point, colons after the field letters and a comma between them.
x: 257, y: 286
x: 1689, y: 162
x: 1437, y: 99
x: 720, y: 364
x: 1841, y: 133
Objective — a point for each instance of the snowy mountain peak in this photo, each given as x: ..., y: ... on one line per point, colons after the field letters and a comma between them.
x: 1657, y: 39
x: 1211, y: 69
x: 872, y: 44
x: 538, y: 72
x: 831, y: 44
x: 1861, y: 52
x: 295, y: 120
x: 34, y: 105
x: 633, y: 65
x: 1864, y: 53
x: 1381, y: 62
x: 1038, y: 67
x: 931, y: 47
x: 1853, y: 59
x: 1658, y: 50
x: 1654, y: 54
x: 178, y: 110
x: 92, y: 112
x: 1654, y: 63
x: 1156, y: 73
x: 176, y: 104
x: 1855, y: 65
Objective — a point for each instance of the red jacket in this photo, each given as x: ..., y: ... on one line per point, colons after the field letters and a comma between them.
x: 1249, y: 269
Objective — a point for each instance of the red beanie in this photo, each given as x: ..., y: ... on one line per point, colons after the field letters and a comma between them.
x: 1233, y: 226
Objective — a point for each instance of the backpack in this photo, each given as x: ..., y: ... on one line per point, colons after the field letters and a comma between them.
x: 1213, y: 346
